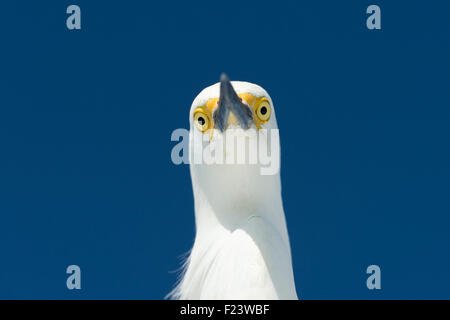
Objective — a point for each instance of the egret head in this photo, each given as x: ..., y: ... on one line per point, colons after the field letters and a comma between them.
x: 230, y: 105
x: 234, y: 145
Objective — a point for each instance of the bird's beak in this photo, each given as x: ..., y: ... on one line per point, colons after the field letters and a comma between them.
x: 230, y: 102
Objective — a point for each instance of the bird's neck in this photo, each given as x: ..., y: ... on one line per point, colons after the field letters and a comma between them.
x: 226, y: 211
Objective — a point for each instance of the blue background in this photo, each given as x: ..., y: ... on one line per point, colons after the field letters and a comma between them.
x: 86, y: 118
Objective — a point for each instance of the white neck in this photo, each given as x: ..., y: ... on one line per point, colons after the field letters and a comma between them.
x: 240, y: 251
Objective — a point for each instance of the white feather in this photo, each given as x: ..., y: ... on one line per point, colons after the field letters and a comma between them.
x: 241, y: 248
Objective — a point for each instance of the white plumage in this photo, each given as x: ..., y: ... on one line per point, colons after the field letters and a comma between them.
x: 241, y: 248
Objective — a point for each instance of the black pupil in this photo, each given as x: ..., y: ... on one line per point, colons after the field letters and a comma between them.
x: 201, y: 121
x: 263, y: 110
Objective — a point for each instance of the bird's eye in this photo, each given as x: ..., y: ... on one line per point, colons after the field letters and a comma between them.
x: 263, y: 110
x: 202, y: 120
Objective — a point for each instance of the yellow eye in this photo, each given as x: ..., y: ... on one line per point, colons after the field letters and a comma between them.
x: 202, y: 120
x: 263, y: 111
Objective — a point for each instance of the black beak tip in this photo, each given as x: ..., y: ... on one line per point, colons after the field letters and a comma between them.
x: 229, y: 101
x: 224, y: 78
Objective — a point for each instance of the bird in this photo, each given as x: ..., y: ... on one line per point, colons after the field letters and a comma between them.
x: 241, y: 249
